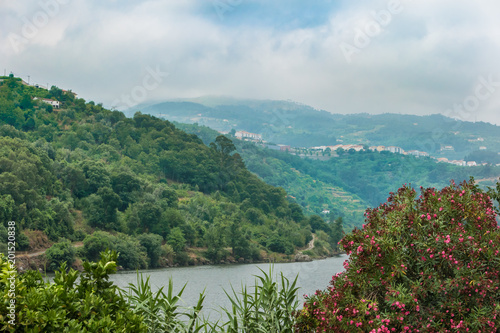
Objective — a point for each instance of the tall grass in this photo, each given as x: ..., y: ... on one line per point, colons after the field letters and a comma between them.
x: 268, y: 307
x: 161, y: 311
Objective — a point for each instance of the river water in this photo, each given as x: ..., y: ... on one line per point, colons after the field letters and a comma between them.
x: 215, y: 279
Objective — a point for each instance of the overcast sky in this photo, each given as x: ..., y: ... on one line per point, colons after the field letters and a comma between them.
x: 417, y: 57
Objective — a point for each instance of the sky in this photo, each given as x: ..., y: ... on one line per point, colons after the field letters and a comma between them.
x: 398, y: 56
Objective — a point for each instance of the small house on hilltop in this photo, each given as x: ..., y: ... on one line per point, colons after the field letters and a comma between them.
x: 55, y: 104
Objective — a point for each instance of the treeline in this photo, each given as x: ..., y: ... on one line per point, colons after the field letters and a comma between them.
x: 151, y: 190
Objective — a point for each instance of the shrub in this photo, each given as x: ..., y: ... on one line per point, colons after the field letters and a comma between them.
x: 152, y: 244
x: 418, y: 265
x: 132, y: 254
x: 309, y: 253
x: 37, y: 239
x: 168, y: 253
x: 279, y: 244
x: 72, y: 302
x: 59, y: 253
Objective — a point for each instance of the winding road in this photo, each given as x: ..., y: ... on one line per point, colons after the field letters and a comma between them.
x: 38, y: 253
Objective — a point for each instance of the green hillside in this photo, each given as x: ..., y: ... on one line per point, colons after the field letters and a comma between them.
x: 349, y: 183
x: 136, y: 185
x: 277, y: 168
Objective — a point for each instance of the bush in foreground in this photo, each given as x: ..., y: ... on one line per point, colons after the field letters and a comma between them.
x: 73, y: 302
x: 427, y: 264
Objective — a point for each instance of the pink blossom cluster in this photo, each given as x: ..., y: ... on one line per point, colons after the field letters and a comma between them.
x: 426, y: 264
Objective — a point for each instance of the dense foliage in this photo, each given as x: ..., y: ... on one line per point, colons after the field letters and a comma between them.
x: 73, y: 302
x: 67, y: 172
x: 427, y: 264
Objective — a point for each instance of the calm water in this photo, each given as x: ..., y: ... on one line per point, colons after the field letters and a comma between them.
x: 213, y: 279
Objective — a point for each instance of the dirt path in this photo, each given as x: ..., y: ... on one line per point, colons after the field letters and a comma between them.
x: 38, y: 253
x: 310, y: 246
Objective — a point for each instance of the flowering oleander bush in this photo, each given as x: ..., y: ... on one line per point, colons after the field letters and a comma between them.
x: 426, y: 264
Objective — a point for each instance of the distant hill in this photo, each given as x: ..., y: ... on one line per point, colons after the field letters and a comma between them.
x: 298, y: 125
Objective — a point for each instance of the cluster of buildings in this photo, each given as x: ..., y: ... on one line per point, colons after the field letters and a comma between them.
x: 399, y: 150
x: 334, y: 148
x: 243, y: 135
x: 392, y: 149
x: 458, y: 162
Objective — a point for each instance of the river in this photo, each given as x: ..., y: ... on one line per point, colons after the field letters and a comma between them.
x: 214, y: 279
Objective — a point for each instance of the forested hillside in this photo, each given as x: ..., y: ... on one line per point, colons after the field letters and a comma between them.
x: 348, y: 184
x: 136, y: 185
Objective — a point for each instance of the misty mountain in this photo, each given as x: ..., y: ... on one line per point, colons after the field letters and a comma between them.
x: 299, y: 125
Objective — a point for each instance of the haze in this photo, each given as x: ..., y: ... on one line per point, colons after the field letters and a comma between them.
x: 342, y: 56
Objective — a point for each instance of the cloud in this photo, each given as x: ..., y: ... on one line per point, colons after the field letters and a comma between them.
x: 428, y: 57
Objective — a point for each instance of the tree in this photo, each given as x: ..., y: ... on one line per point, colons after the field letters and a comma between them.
x: 236, y: 239
x: 255, y: 216
x: 317, y: 223
x: 223, y: 145
x: 56, y: 92
x: 337, y: 232
x: 101, y: 209
x: 152, y: 244
x: 176, y: 240
x: 61, y: 215
x: 280, y: 244
x: 124, y: 184
x: 96, y: 175
x: 228, y: 165
x: 215, y: 243
x: 495, y: 195
x: 149, y: 214
x: 418, y: 265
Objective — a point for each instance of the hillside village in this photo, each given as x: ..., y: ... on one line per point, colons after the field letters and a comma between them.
x: 325, y: 152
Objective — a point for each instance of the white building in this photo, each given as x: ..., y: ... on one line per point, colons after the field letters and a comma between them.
x: 395, y: 150
x: 417, y: 153
x: 243, y: 134
x: 459, y: 162
x: 55, y: 104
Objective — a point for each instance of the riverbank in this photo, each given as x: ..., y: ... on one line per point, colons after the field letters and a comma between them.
x: 37, y: 260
